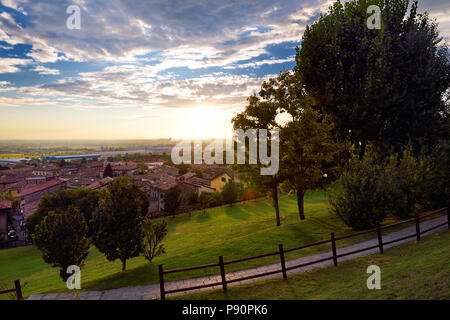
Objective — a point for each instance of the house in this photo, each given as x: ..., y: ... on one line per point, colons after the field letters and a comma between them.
x: 122, y: 168
x: 69, y: 169
x: 47, y: 171
x: 31, y: 196
x: 101, y: 184
x: 6, y: 206
x: 218, y: 180
x: 17, y: 173
x: 212, y: 177
x: 156, y: 190
x: 171, y: 170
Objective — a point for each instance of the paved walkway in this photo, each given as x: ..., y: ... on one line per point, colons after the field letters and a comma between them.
x: 147, y: 292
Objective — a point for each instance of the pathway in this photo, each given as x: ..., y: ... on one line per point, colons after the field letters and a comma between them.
x: 151, y: 291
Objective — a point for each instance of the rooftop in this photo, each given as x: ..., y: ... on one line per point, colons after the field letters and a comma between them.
x: 40, y: 187
x: 6, y: 204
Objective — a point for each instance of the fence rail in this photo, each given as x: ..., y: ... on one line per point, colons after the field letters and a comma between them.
x: 281, y: 252
x: 17, y: 289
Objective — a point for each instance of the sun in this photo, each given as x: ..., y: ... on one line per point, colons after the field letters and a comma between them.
x: 205, y: 123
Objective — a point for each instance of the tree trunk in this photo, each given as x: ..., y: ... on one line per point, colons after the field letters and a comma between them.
x: 300, y: 202
x: 124, y: 265
x: 275, y: 203
x: 362, y: 151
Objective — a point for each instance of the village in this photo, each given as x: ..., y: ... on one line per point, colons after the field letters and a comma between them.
x: 26, y: 186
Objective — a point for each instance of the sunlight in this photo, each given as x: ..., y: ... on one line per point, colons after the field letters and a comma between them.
x: 204, y: 122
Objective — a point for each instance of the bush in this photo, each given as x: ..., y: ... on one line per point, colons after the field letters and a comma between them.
x: 433, y: 187
x: 401, y: 183
x: 250, y: 194
x: 359, y: 196
x: 230, y: 193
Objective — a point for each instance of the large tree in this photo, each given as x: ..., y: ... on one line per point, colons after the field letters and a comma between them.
x: 260, y: 113
x: 85, y: 200
x: 309, y: 152
x: 117, y: 223
x: 381, y: 86
x: 62, y: 239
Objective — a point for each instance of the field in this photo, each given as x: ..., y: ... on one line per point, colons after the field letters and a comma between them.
x: 243, y: 230
x: 410, y: 271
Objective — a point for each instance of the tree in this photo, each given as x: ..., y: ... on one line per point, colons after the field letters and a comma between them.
x: 154, y: 233
x: 230, y: 193
x: 205, y: 200
x: 108, y: 172
x: 308, y: 150
x: 85, y: 200
x: 117, y: 223
x: 384, y: 86
x: 62, y: 239
x: 260, y: 113
x: 172, y: 200
x: 193, y: 197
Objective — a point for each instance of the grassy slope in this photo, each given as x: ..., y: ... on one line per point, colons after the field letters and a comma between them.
x: 410, y: 271
x: 234, y: 232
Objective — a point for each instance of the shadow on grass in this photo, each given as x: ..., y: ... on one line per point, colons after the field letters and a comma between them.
x: 145, y: 274
x: 237, y: 213
x: 203, y: 216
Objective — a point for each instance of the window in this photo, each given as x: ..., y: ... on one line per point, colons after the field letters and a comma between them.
x: 224, y: 179
x: 162, y: 195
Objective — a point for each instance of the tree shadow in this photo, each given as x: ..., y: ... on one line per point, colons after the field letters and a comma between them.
x: 237, y: 213
x: 145, y: 274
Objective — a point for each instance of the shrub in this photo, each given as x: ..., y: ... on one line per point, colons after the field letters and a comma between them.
x: 433, y: 187
x: 359, y: 196
x: 401, y: 183
x: 250, y: 194
x: 230, y: 193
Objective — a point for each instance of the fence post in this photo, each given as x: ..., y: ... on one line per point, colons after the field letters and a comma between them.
x: 333, y: 246
x: 380, y: 240
x: 161, y: 282
x: 448, y: 216
x: 283, y: 262
x: 417, y: 227
x: 18, y: 290
x: 222, y: 274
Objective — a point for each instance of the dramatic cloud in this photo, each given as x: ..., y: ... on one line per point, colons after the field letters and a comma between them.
x: 152, y: 54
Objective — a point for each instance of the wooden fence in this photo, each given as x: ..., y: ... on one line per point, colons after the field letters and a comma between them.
x: 17, y: 289
x: 281, y: 251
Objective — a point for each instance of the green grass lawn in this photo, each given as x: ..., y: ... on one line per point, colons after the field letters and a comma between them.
x: 243, y: 230
x: 410, y: 271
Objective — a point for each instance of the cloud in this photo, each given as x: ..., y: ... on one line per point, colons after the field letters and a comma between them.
x: 47, y: 71
x: 122, y: 29
x: 9, y: 65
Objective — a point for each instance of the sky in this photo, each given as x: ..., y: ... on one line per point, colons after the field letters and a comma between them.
x: 146, y: 69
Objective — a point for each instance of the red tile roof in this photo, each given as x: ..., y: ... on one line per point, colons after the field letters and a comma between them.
x: 6, y: 204
x: 40, y: 187
x: 100, y: 184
